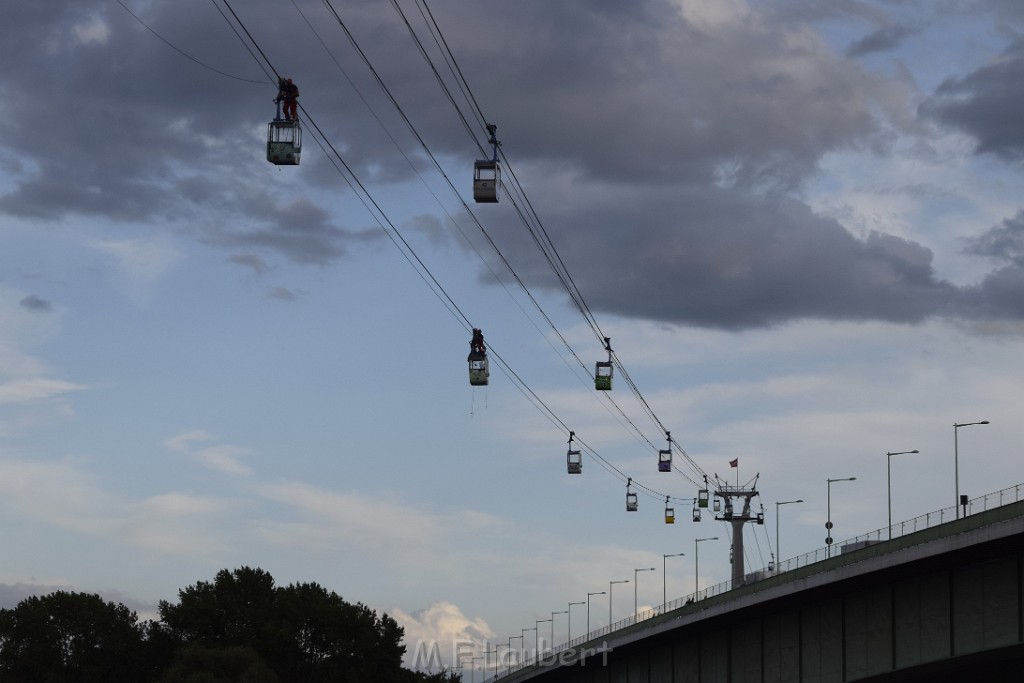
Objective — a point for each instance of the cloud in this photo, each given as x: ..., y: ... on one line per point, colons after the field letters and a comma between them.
x: 224, y: 458
x: 258, y: 265
x: 443, y: 624
x: 668, y: 144
x: 63, y: 495
x: 35, y: 389
x: 986, y: 104
x: 883, y: 40
x: 35, y: 303
x: 140, y: 263
x: 384, y: 525
x: 282, y: 294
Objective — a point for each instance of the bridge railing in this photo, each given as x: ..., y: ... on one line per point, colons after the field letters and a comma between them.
x: 996, y: 499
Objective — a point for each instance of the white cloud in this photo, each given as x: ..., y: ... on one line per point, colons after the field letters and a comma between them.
x: 35, y: 389
x: 385, y: 525
x: 140, y: 263
x: 63, y: 495
x: 92, y: 32
x: 224, y: 458
x: 442, y: 628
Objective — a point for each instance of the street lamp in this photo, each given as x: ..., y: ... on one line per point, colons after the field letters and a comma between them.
x: 888, y: 478
x: 568, y: 627
x: 536, y: 633
x: 510, y: 639
x: 828, y: 521
x: 534, y: 629
x: 696, y: 563
x: 553, y: 626
x: 778, y: 548
x: 664, y: 579
x: 636, y: 606
x: 588, y: 608
x: 495, y: 653
x: 956, y: 459
x: 472, y: 669
x: 610, y: 584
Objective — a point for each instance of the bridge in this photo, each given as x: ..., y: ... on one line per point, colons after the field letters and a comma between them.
x: 935, y: 598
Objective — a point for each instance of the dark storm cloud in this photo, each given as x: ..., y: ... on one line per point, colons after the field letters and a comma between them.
x: 1004, y: 242
x: 720, y: 258
x: 300, y: 230
x: 697, y: 128
x: 33, y: 302
x: 988, y: 104
x: 258, y: 265
x: 884, y: 39
x: 282, y: 294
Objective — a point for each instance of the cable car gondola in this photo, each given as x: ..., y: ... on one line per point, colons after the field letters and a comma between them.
x: 478, y: 371
x: 487, y: 173
x: 670, y: 513
x: 284, y: 142
x: 603, y: 369
x: 665, y: 456
x: 573, y: 459
x: 284, y: 135
x: 702, y: 498
x: 631, y: 502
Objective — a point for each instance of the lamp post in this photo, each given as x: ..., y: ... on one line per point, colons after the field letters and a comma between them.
x: 588, y: 608
x: 664, y: 577
x: 696, y: 563
x: 472, y: 669
x: 636, y: 605
x: 888, y: 479
x: 610, y: 584
x: 828, y: 521
x: 536, y: 633
x: 568, y: 627
x: 534, y: 629
x: 553, y: 626
x: 778, y: 548
x: 495, y: 653
x: 510, y: 638
x: 956, y: 459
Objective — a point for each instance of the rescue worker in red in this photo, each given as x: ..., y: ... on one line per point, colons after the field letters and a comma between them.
x: 288, y: 92
x: 477, y: 344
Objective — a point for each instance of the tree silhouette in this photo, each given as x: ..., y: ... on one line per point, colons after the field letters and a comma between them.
x: 70, y: 637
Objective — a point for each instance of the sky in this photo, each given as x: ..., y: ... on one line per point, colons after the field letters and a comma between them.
x: 799, y: 223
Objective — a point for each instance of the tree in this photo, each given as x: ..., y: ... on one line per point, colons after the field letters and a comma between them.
x: 303, y: 631
x: 70, y: 637
x: 198, y: 664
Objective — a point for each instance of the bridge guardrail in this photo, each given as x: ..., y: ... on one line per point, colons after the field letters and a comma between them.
x: 1011, y: 494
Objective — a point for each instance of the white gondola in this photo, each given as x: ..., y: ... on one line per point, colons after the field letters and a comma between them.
x: 573, y: 459
x: 631, y: 501
x: 284, y: 142
x: 574, y: 462
x: 665, y: 456
x: 478, y: 370
x: 696, y: 513
x: 487, y: 173
x: 603, y: 369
